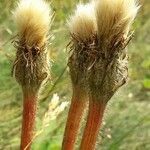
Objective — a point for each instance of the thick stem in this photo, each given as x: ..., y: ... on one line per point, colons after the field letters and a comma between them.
x: 28, y: 121
x: 94, y: 121
x: 78, y: 105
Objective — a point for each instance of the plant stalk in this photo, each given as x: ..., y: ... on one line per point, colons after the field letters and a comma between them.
x: 94, y: 121
x: 78, y: 105
x: 28, y: 121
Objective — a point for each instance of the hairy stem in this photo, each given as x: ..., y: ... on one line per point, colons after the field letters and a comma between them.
x: 28, y: 121
x: 94, y: 121
x: 78, y: 105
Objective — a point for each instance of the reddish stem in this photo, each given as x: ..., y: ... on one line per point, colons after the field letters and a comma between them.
x: 28, y: 121
x: 94, y: 121
x: 78, y: 105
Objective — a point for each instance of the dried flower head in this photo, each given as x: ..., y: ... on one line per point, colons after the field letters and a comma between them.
x: 99, y: 56
x: 82, y: 27
x: 31, y: 66
x: 110, y: 70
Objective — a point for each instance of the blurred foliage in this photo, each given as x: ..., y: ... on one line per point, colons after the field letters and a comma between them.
x: 127, y: 119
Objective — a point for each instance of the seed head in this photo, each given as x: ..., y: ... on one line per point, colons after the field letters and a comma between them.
x: 82, y: 26
x: 31, y: 67
x: 99, y: 57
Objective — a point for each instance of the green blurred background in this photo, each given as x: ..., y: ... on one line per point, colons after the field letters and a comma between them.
x: 127, y: 120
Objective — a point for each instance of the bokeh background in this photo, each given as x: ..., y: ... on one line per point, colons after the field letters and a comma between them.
x: 127, y: 120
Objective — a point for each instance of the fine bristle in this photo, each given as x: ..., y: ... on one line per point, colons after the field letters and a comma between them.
x: 114, y: 17
x: 83, y: 22
x: 33, y: 21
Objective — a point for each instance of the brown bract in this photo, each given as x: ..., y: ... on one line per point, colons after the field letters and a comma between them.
x: 100, y: 71
x: 31, y: 66
x: 81, y: 59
